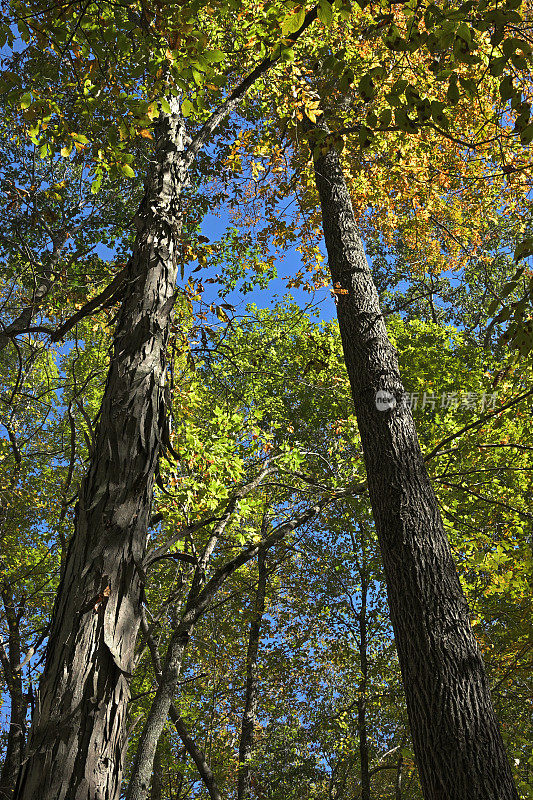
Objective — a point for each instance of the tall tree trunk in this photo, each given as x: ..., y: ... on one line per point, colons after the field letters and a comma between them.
x: 457, y: 741
x: 398, y: 778
x: 363, y: 685
x: 78, y: 736
x: 156, y: 789
x: 17, y: 699
x: 77, y: 740
x: 204, y: 770
x: 244, y: 785
x: 199, y: 599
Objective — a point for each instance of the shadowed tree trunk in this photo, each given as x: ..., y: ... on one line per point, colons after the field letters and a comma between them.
x: 398, y: 778
x: 156, y: 789
x: 78, y: 735
x: 17, y: 699
x: 244, y: 785
x: 458, y: 745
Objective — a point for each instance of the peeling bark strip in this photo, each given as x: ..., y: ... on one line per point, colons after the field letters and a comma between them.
x: 458, y: 745
x: 78, y: 737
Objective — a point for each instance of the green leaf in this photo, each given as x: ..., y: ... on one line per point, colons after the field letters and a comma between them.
x: 214, y: 56
x: 187, y: 107
x: 437, y: 112
x: 325, y: 12
x: 394, y: 40
x: 404, y: 122
x: 96, y: 184
x: 366, y: 87
x: 497, y: 66
x: 293, y: 23
x: 464, y: 31
x: 165, y: 105
x: 127, y: 170
x: 25, y: 100
x: 469, y: 86
x: 453, y: 95
x: 526, y: 134
x: 506, y: 88
x: 346, y: 80
x: 385, y: 118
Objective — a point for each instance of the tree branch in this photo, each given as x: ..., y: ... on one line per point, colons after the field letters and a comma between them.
x: 236, y: 95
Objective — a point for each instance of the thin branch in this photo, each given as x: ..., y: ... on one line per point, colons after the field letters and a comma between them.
x: 236, y: 95
x: 106, y: 298
x: 480, y: 421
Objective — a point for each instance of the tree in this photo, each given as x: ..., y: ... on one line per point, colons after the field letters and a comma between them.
x: 97, y: 614
x: 440, y: 661
x: 433, y: 360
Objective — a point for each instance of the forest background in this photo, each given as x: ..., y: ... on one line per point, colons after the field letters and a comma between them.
x: 289, y: 684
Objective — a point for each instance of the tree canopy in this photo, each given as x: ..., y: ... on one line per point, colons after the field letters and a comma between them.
x: 221, y: 558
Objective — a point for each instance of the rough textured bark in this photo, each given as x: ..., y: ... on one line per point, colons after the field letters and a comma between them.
x: 458, y: 745
x: 17, y: 699
x: 244, y: 785
x: 78, y: 736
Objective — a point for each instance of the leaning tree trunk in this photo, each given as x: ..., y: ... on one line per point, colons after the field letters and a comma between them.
x: 78, y: 735
x: 458, y: 745
x: 244, y: 779
x: 17, y: 699
x: 156, y: 788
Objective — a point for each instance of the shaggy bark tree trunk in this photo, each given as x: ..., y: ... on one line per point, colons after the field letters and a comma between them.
x: 244, y: 784
x: 78, y: 736
x: 458, y: 745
